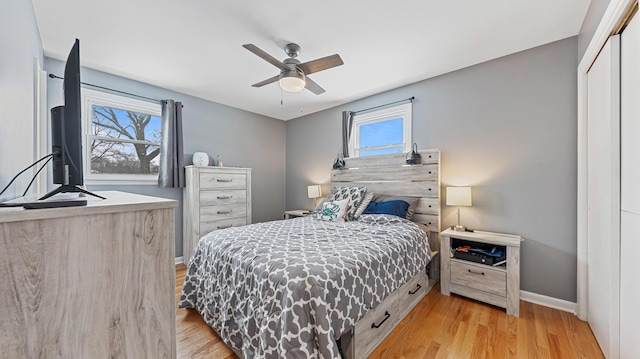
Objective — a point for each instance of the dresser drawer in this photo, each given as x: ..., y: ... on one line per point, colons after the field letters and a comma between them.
x: 212, y: 180
x: 376, y: 325
x: 224, y: 211
x: 206, y: 227
x: 214, y: 198
x: 412, y: 292
x: 480, y: 277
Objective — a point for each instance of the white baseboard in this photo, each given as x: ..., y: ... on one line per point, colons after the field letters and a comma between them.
x: 550, y: 302
x: 178, y: 260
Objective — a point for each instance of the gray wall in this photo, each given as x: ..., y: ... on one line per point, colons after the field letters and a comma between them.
x: 507, y: 127
x: 242, y: 138
x: 590, y: 23
x: 20, y: 48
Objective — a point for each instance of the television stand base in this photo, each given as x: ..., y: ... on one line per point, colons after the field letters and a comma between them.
x: 69, y: 189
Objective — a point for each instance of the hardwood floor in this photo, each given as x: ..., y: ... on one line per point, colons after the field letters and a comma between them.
x: 438, y: 327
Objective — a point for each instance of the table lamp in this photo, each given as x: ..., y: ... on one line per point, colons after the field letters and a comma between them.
x: 459, y: 196
x: 314, y: 191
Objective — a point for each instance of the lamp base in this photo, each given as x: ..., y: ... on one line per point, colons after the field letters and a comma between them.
x: 459, y: 228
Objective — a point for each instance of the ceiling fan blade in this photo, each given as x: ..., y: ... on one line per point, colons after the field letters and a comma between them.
x: 313, y: 87
x: 321, y: 64
x: 270, y: 59
x: 267, y: 81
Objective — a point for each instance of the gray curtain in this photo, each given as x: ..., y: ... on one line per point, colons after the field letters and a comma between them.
x: 347, y: 124
x: 171, y: 151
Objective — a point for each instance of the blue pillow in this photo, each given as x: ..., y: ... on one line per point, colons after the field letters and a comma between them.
x: 396, y: 208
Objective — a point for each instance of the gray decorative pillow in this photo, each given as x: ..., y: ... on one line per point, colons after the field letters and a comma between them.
x: 365, y: 202
x: 355, y: 196
x: 413, y: 202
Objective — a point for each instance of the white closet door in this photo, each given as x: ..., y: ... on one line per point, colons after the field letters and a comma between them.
x: 603, y: 191
x: 630, y: 191
x: 630, y: 118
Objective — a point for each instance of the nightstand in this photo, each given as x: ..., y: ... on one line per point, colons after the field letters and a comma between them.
x: 296, y: 213
x: 475, y: 275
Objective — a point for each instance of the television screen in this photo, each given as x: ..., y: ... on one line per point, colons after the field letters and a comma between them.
x: 66, y: 131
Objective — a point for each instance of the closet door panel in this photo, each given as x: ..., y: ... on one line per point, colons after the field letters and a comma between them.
x: 629, y: 288
x: 630, y: 191
x: 630, y: 118
x: 603, y: 191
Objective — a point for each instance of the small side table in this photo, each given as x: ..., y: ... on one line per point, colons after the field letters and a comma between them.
x: 296, y: 213
x: 498, y: 285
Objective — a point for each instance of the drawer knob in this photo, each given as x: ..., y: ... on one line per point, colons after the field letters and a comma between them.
x: 225, y: 197
x: 386, y: 316
x: 223, y: 180
x: 415, y: 291
x: 225, y: 212
x: 474, y: 272
x: 227, y: 226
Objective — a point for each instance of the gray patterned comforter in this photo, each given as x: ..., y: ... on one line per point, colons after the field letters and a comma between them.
x: 289, y: 289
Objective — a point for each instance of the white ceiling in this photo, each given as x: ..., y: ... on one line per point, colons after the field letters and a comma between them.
x: 195, y: 46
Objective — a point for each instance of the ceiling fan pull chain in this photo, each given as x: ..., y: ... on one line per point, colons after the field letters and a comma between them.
x: 281, y: 103
x: 300, y: 102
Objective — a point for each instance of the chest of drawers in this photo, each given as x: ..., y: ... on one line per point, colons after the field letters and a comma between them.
x: 214, y: 198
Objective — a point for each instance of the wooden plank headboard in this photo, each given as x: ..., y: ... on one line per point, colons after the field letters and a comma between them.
x: 388, y: 174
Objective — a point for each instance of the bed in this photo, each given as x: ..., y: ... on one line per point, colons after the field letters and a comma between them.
x: 308, y: 288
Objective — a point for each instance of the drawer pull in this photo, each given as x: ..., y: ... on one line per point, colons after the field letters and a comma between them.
x: 225, y: 212
x: 474, y: 272
x: 386, y: 316
x: 227, y: 226
x: 222, y: 180
x: 415, y: 291
x: 225, y: 197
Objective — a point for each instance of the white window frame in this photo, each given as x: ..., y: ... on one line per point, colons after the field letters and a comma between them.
x: 403, y: 111
x: 92, y: 97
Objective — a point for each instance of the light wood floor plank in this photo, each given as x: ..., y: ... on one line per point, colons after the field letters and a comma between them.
x: 438, y: 327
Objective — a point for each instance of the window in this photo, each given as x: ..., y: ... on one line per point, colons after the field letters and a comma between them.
x: 122, y: 139
x: 381, y: 132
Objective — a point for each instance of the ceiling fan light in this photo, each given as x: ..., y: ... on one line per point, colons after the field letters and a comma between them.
x: 292, y: 81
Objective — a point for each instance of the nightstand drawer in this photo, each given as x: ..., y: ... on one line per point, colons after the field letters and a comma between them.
x: 480, y: 277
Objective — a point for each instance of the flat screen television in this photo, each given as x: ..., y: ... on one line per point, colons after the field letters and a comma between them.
x: 66, y: 131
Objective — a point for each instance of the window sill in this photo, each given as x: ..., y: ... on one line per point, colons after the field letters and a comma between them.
x: 121, y: 180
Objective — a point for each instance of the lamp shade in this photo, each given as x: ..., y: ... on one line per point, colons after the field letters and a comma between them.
x: 314, y: 191
x: 458, y: 196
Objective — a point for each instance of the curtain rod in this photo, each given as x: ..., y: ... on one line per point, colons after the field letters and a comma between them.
x: 410, y: 99
x: 109, y: 89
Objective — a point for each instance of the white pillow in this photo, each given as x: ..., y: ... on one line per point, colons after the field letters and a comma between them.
x: 335, y: 211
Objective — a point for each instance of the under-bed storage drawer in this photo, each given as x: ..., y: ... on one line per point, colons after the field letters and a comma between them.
x: 376, y: 325
x: 412, y: 292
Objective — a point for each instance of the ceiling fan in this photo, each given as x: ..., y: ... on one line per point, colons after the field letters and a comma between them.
x: 293, y: 75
